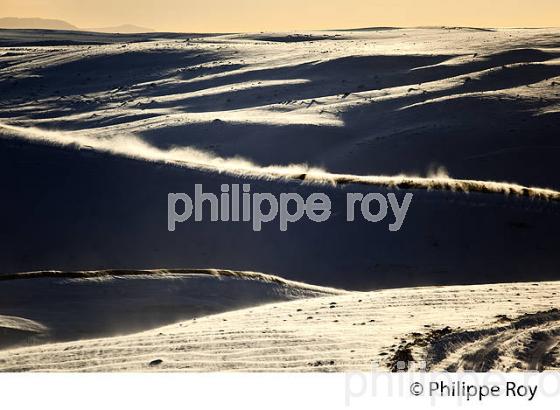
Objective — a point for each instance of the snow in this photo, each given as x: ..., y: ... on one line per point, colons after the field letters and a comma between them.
x: 97, y: 129
x: 361, y: 331
x: 57, y: 306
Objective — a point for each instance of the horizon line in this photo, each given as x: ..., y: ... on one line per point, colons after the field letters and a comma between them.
x: 360, y: 28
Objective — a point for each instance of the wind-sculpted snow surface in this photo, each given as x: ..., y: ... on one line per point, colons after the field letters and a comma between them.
x: 375, y: 102
x: 42, y: 307
x: 97, y: 129
x: 132, y: 147
x: 510, y: 327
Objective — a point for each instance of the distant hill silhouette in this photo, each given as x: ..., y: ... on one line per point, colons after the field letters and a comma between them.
x: 52, y: 24
x: 35, y: 23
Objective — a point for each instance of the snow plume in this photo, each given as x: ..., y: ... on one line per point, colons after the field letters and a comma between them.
x: 171, y: 273
x: 131, y: 146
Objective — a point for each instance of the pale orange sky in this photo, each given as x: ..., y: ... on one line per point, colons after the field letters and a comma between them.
x: 269, y: 15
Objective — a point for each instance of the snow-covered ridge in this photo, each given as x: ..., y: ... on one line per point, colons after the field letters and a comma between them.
x: 41, y: 307
x: 439, y: 111
x: 132, y: 147
x: 357, y: 106
x: 109, y: 274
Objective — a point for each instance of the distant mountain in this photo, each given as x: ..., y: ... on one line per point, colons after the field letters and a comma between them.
x: 124, y: 28
x: 50, y: 24
x: 35, y: 23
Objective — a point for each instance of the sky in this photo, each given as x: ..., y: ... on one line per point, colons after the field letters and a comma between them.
x: 288, y: 15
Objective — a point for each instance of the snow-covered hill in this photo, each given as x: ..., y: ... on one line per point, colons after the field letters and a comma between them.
x: 508, y: 327
x: 42, y: 307
x: 96, y: 130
